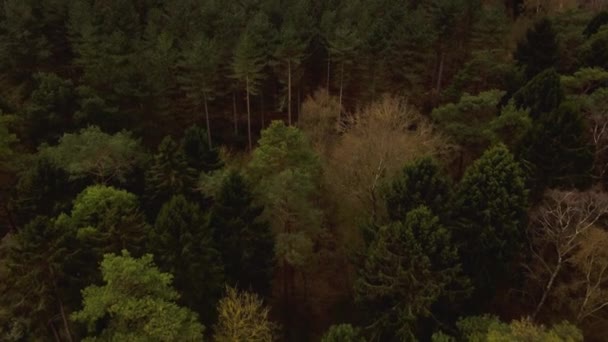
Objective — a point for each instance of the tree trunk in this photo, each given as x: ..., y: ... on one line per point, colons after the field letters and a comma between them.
x: 54, y: 330
x: 207, y: 124
x: 262, y: 110
x: 286, y: 312
x: 440, y: 72
x: 548, y: 288
x: 236, y: 121
x: 341, y: 88
x: 328, y: 70
x: 299, y: 102
x: 66, y: 326
x: 289, y: 92
x: 248, y: 113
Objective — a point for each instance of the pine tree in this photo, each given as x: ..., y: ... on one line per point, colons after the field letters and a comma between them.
x: 542, y: 94
x: 596, y: 23
x: 408, y: 267
x: 200, y: 62
x: 540, y: 49
x: 342, y: 333
x: 489, y: 210
x: 420, y: 183
x: 183, y: 245
x: 169, y: 174
x: 199, y: 154
x: 249, y: 61
x: 135, y: 303
x: 244, y: 239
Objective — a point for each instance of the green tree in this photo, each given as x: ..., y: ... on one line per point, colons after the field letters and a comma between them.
x: 421, y: 182
x: 49, y: 109
x: 33, y: 278
x: 408, y: 267
x: 243, y: 317
x: 596, y: 23
x: 490, y: 205
x: 539, y: 50
x: 594, y: 52
x: 199, y: 154
x: 244, y: 239
x: 183, y: 245
x: 249, y: 61
x: 136, y: 303
x: 555, y: 152
x: 6, y: 140
x: 541, y: 94
x: 169, y: 173
x: 91, y: 153
x: 342, y: 333
x: 200, y: 62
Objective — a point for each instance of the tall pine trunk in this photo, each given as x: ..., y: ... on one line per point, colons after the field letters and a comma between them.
x: 234, y: 117
x: 289, y: 92
x: 341, y: 88
x: 440, y: 72
x: 248, y: 113
x: 207, y: 124
x: 328, y: 71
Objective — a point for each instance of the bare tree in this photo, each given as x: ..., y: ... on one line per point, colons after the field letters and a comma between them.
x: 557, y: 228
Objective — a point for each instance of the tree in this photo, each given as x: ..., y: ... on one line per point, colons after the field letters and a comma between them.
x: 33, y: 278
x: 594, y: 51
x: 49, y: 109
x: 319, y: 120
x: 555, y: 151
x: 490, y: 210
x: 408, y: 267
x: 200, y: 63
x: 595, y: 110
x: 421, y: 182
x: 596, y: 23
x: 137, y: 303
x: 169, y: 173
x: 244, y: 239
x: 92, y: 153
x: 243, y: 317
x: 184, y: 246
x: 6, y: 140
x: 293, y: 39
x: 541, y: 94
x: 199, y: 154
x: 557, y: 233
x: 249, y: 61
x: 342, y: 333
x: 539, y: 50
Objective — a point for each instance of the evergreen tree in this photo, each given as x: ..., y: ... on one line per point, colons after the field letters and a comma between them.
x: 595, y: 52
x: 541, y: 94
x: 169, y: 174
x: 490, y: 209
x: 200, y: 63
x: 408, y: 267
x: 244, y: 240
x: 249, y: 61
x: 539, y: 50
x: 183, y: 245
x: 199, y: 154
x: 342, y: 333
x: 596, y: 23
x: 420, y: 183
x: 555, y: 151
x: 136, y: 303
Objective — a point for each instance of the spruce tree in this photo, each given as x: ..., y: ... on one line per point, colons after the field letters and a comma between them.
x: 541, y: 94
x: 490, y: 205
x: 539, y: 50
x: 420, y: 183
x: 199, y: 154
x: 244, y: 239
x: 183, y: 245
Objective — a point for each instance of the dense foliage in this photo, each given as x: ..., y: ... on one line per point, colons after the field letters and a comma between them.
x: 303, y: 170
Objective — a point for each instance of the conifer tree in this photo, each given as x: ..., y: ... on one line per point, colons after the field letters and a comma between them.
x: 490, y: 210
x: 244, y: 239
x: 183, y: 246
x: 541, y: 94
x: 199, y: 154
x: 539, y: 50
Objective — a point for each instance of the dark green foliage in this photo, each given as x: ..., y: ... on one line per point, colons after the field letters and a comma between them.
x: 199, y: 155
x: 555, y: 152
x: 342, y: 333
x: 49, y: 109
x: 540, y: 49
x: 169, y: 174
x: 245, y: 241
x: 408, y: 267
x: 490, y: 209
x: 183, y: 245
x: 541, y: 94
x: 43, y: 189
x: 420, y: 183
x: 33, y: 279
x: 595, y: 51
x: 594, y: 25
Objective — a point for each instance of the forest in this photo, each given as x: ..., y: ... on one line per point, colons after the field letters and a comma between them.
x: 304, y: 170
